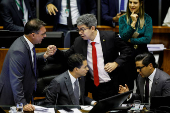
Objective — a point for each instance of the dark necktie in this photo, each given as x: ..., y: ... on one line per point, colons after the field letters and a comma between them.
x: 35, y: 65
x: 76, y: 92
x: 69, y: 20
x: 95, y: 69
x: 122, y: 5
x: 147, y: 90
x: 20, y: 10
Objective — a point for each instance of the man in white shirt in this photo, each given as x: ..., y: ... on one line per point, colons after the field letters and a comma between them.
x: 18, y: 79
x: 108, y: 68
x: 60, y: 10
x: 158, y: 84
x: 61, y: 90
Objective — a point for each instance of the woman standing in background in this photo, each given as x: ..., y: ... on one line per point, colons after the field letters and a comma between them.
x: 135, y: 28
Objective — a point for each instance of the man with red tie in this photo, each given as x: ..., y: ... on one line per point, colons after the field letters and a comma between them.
x: 102, y: 51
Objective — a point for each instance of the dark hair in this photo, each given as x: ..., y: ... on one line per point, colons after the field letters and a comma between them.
x: 33, y: 26
x: 146, y: 58
x: 75, y: 60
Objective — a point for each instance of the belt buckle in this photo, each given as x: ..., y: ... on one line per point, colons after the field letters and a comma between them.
x: 135, y: 46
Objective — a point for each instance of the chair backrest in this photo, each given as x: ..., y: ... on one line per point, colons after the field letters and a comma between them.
x: 70, y: 37
x: 47, y: 72
x: 52, y: 38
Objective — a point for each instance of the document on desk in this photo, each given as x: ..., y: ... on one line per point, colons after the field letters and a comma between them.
x: 155, y: 47
x: 73, y: 110
x: 40, y: 109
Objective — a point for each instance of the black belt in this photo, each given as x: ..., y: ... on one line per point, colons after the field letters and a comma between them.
x: 62, y: 25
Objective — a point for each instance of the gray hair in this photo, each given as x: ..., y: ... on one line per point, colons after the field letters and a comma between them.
x: 87, y: 19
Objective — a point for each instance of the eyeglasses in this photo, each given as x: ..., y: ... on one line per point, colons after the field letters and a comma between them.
x: 140, y: 68
x: 82, y: 29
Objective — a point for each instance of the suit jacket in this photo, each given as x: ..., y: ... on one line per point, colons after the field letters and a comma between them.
x: 110, y: 8
x: 17, y: 79
x: 84, y: 6
x: 60, y: 91
x: 12, y: 20
x: 111, y: 46
x: 160, y: 86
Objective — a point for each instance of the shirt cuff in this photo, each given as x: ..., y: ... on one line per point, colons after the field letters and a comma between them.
x: 92, y: 103
x: 129, y: 97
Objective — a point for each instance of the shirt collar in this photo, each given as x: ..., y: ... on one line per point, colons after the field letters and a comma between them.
x: 71, y: 77
x: 29, y: 43
x: 152, y: 75
x: 97, y: 38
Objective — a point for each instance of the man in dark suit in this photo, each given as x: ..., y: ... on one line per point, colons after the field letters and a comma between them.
x: 61, y: 90
x: 61, y: 12
x: 111, y: 11
x: 159, y: 81
x: 109, y: 62
x: 14, y: 16
x: 19, y: 76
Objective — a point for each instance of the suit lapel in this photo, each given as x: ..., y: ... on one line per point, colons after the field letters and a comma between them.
x: 155, y: 83
x: 69, y: 88
x: 59, y: 6
x: 29, y: 52
x: 16, y: 9
x: 103, y: 41
x: 27, y: 4
x: 81, y: 85
x: 117, y: 6
x: 84, y: 47
x: 141, y: 83
x: 79, y: 5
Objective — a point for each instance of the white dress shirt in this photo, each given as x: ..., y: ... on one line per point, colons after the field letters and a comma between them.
x: 25, y: 10
x: 103, y: 75
x: 74, y: 12
x: 72, y: 82
x: 30, y: 46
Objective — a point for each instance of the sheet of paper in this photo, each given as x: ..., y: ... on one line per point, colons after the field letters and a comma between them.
x: 40, y: 109
x: 74, y: 110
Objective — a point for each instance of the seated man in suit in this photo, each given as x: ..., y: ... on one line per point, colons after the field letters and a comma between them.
x: 69, y: 87
x: 151, y: 80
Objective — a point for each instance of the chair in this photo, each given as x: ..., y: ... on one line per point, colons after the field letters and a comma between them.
x: 47, y: 72
x: 70, y: 37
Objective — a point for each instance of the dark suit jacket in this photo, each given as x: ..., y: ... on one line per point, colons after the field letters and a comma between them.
x: 17, y: 79
x: 111, y: 46
x: 12, y: 20
x: 84, y: 6
x: 160, y: 86
x: 110, y: 8
x: 60, y: 91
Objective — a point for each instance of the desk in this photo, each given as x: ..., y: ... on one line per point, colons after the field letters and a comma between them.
x: 57, y: 107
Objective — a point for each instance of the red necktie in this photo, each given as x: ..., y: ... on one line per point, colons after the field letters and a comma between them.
x: 95, y: 70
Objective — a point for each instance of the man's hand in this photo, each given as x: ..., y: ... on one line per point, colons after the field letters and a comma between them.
x: 51, y: 49
x: 28, y: 107
x: 52, y: 9
x: 116, y: 18
x: 123, y: 89
x: 109, y: 67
